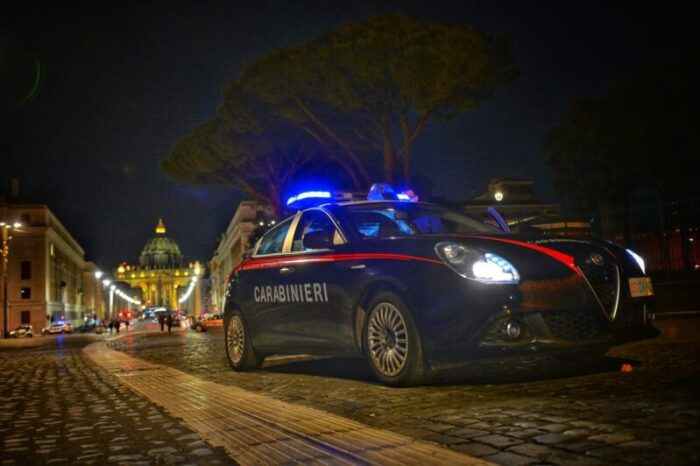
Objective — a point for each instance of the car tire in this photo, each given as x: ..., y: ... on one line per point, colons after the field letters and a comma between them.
x: 391, y: 342
x: 239, y: 346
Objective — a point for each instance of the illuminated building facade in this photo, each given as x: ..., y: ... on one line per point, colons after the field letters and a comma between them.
x: 163, y: 277
x: 48, y: 278
x: 234, y: 243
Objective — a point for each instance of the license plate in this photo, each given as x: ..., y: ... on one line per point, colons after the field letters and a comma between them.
x: 641, y: 287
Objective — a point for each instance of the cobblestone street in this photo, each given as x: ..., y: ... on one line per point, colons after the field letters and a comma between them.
x: 57, y: 408
x: 560, y: 415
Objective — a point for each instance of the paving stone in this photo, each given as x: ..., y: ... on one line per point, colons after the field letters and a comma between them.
x: 613, y: 438
x: 555, y: 427
x: 466, y: 432
x: 475, y: 449
x: 498, y: 441
x: 509, y: 459
x: 550, y: 439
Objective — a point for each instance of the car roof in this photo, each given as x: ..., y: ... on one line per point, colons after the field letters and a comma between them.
x: 386, y: 201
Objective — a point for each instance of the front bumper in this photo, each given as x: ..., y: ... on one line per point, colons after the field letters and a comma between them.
x: 548, y: 332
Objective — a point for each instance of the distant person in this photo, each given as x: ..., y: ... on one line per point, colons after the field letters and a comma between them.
x: 111, y: 326
x: 169, y: 321
x: 161, y: 321
x: 117, y: 324
x: 126, y: 324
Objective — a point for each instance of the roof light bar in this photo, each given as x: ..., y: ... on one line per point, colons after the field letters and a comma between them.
x: 309, y: 195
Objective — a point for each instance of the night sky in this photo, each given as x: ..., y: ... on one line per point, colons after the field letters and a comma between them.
x: 123, y: 81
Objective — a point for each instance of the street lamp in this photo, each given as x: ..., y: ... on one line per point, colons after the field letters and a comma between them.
x: 111, y: 300
x: 6, y: 228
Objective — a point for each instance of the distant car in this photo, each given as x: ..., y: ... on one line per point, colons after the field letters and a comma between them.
x: 209, y: 322
x: 22, y: 331
x: 58, y: 327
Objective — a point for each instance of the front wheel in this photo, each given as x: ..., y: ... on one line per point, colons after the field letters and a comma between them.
x: 391, y: 342
x: 239, y: 346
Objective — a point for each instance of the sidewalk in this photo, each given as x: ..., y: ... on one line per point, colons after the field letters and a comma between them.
x: 256, y: 429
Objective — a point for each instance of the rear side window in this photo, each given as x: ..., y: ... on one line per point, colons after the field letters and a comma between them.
x: 273, y: 241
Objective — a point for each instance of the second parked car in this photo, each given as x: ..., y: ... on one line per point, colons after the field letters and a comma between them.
x: 58, y: 327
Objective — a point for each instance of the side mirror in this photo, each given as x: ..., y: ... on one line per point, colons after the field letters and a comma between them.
x: 319, y: 239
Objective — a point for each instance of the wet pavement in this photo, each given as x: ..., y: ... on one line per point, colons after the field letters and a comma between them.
x: 566, y: 413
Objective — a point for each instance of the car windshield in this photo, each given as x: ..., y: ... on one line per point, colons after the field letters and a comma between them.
x: 382, y: 220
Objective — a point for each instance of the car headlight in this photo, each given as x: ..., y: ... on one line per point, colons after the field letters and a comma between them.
x: 639, y: 260
x: 484, y: 267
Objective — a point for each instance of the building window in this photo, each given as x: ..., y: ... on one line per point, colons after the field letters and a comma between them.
x: 26, y: 219
x: 26, y: 270
x: 25, y: 293
x: 51, y: 251
x: 26, y: 317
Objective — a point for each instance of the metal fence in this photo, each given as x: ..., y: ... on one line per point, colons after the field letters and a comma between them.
x: 666, y: 234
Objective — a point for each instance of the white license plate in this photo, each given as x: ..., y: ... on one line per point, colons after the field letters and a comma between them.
x: 641, y: 287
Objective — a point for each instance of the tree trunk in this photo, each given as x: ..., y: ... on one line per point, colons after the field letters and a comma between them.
x: 407, y: 152
x: 388, y: 152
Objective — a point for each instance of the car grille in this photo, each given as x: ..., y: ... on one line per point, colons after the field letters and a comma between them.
x: 604, y: 279
x: 573, y: 325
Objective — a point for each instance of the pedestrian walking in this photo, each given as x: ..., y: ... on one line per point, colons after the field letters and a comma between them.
x: 169, y: 321
x: 111, y: 326
x: 126, y: 324
x: 117, y: 324
x: 161, y: 321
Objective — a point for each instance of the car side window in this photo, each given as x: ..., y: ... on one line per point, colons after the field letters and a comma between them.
x: 315, y: 223
x: 273, y: 241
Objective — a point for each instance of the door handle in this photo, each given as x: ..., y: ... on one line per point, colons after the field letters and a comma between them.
x: 286, y: 270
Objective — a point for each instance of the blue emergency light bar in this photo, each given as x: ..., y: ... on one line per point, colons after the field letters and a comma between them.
x: 309, y: 195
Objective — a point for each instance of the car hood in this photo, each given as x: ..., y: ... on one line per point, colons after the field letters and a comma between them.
x: 528, y: 253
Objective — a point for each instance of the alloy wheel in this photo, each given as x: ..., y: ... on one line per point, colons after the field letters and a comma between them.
x: 387, y: 339
x: 235, y: 337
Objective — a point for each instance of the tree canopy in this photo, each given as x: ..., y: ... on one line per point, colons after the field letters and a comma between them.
x: 357, y: 97
x: 634, y: 137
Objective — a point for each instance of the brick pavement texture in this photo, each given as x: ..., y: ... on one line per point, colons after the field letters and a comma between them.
x: 256, y: 429
x: 572, y: 415
x: 58, y: 408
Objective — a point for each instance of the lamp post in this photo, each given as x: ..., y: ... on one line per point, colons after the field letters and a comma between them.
x: 111, y: 300
x: 6, y: 227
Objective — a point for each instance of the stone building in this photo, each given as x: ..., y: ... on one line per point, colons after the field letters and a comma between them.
x: 234, y: 244
x: 162, y: 275
x: 47, y: 275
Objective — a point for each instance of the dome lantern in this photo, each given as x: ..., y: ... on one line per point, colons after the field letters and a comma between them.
x: 160, y: 228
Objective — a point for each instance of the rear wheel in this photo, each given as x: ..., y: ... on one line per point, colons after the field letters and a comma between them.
x: 239, y: 346
x: 391, y: 342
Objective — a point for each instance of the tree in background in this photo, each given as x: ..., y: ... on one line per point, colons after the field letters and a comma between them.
x: 354, y: 98
x: 371, y: 88
x: 236, y: 149
x: 635, y: 137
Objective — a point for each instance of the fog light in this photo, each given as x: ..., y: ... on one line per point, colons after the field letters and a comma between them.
x: 511, y: 330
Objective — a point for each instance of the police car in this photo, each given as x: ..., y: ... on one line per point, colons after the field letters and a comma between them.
x: 415, y: 288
